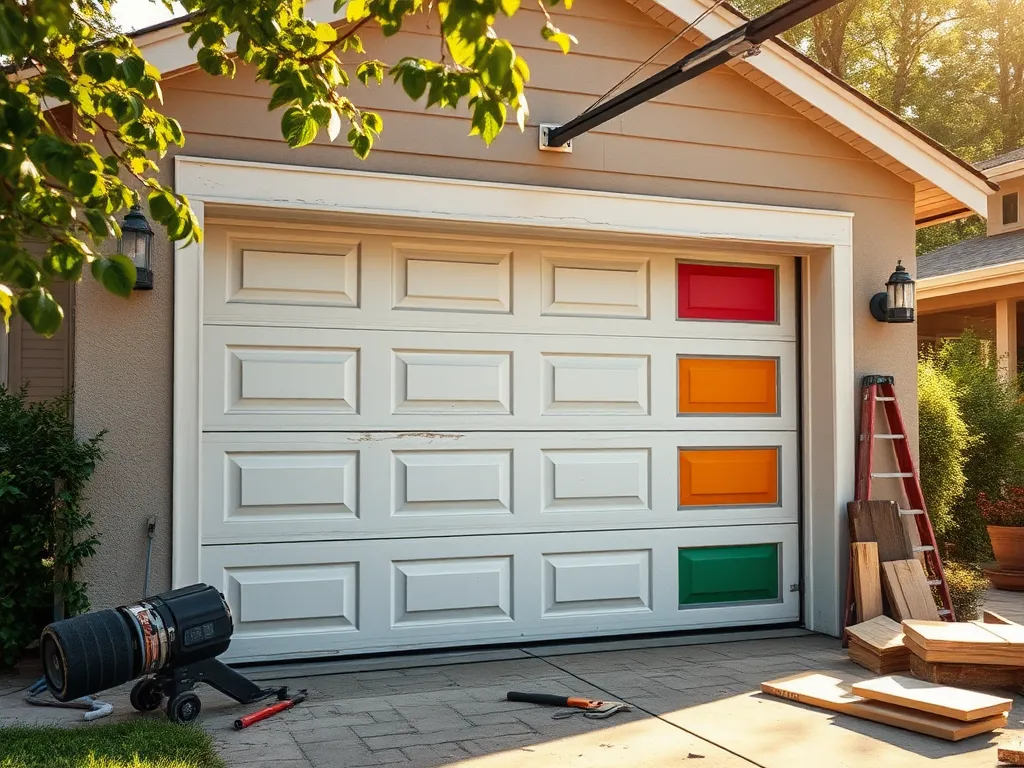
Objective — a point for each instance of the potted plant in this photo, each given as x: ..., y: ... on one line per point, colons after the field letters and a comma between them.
x: 1004, y: 519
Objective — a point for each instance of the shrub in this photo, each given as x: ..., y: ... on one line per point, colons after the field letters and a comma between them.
x: 944, y: 446
x: 1008, y: 511
x: 967, y: 587
x: 994, y: 415
x: 43, y: 528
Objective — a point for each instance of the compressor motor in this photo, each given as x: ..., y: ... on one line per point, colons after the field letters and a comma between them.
x: 170, y: 641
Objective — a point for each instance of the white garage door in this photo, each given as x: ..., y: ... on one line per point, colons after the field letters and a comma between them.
x: 415, y: 440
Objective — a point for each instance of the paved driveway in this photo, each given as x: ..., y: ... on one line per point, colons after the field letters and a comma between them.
x: 694, y: 705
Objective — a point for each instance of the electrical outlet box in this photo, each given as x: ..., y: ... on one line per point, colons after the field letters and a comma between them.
x: 546, y: 128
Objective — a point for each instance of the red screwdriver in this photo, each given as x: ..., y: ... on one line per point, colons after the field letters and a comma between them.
x: 273, y: 709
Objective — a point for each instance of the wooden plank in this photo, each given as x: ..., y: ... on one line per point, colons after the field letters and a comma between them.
x: 923, y: 696
x: 867, y: 585
x: 979, y: 676
x: 966, y: 642
x: 821, y: 690
x: 906, y: 586
x: 991, y: 617
x: 1011, y: 754
x: 881, y: 633
x: 880, y: 521
x: 880, y: 665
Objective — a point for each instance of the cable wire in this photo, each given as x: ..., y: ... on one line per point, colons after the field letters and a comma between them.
x: 704, y: 14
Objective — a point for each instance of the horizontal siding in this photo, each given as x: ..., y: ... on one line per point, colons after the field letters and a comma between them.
x: 42, y: 365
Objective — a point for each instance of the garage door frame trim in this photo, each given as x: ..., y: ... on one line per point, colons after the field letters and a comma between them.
x: 827, y: 370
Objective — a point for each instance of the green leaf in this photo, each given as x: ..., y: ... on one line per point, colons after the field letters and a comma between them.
x: 215, y: 62
x: 133, y: 69
x: 65, y: 261
x: 414, y: 80
x: 101, y: 225
x: 357, y: 9
x: 99, y: 65
x: 6, y: 306
x: 56, y: 86
x: 499, y: 62
x: 509, y: 7
x: 41, y: 311
x: 361, y: 144
x: 325, y: 33
x: 299, y: 129
x: 372, y: 122
x: 370, y: 69
x: 116, y: 274
x: 162, y: 206
x: 488, y: 119
x: 283, y: 94
x: 554, y: 35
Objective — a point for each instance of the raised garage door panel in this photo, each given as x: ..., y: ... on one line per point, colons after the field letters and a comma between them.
x: 321, y: 599
x: 415, y: 440
x: 505, y: 285
x: 317, y: 379
x: 265, y: 487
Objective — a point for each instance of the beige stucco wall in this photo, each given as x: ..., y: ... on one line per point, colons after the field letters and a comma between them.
x: 718, y: 137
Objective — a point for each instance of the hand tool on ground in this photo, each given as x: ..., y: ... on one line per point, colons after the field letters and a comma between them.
x: 273, y: 709
x: 593, y: 708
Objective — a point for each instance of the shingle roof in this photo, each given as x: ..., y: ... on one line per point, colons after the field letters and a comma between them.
x: 971, y: 254
x: 1009, y: 157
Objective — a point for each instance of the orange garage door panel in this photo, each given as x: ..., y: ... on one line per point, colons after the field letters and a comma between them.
x: 728, y: 385
x: 728, y: 477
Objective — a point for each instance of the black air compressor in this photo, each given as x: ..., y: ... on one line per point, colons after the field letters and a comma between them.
x: 169, y: 641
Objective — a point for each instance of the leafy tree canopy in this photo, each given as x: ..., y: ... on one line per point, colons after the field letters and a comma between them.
x: 80, y: 113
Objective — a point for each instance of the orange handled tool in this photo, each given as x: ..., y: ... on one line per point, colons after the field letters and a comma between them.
x: 594, y: 708
x: 273, y: 709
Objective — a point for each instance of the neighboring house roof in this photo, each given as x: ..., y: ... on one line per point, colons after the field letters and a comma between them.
x: 993, y: 162
x: 946, y: 187
x: 969, y: 255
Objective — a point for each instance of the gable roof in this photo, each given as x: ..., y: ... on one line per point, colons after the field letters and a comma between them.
x: 1004, y: 159
x: 946, y: 187
x: 968, y: 255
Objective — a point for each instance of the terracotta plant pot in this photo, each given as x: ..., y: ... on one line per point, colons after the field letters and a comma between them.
x: 1008, y: 546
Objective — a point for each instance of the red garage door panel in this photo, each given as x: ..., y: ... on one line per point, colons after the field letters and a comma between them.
x: 717, y: 292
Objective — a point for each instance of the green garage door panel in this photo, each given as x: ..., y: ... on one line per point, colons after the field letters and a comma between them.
x: 728, y: 574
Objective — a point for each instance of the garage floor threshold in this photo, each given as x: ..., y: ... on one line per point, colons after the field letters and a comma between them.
x: 397, y: 661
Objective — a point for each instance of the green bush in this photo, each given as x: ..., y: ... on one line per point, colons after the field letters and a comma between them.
x: 944, y: 445
x: 994, y: 415
x: 44, y: 532
x: 967, y: 587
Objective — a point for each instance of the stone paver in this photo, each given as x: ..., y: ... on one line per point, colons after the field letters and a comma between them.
x: 693, y: 705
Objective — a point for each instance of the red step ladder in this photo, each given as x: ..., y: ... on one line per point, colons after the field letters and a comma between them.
x: 881, y: 389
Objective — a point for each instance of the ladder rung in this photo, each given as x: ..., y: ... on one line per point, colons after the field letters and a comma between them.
x: 892, y: 474
x: 911, y: 511
x: 886, y: 399
x: 890, y: 437
x: 925, y: 548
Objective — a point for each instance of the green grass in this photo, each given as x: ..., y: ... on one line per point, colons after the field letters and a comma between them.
x: 141, y: 743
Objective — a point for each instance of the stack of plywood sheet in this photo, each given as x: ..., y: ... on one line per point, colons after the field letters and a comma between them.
x: 987, y: 654
x: 965, y: 642
x: 878, y: 645
x: 914, y: 705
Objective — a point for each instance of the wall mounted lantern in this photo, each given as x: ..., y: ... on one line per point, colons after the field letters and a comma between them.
x: 896, y: 305
x: 136, y: 242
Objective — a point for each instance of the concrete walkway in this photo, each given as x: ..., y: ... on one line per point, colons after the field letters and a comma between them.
x: 693, y: 705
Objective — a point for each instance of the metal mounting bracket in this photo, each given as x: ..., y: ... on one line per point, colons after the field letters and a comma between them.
x: 542, y: 140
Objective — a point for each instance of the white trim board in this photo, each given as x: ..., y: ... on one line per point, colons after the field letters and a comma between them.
x: 167, y: 49
x: 824, y: 237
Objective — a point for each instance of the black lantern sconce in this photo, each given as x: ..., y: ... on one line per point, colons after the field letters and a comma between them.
x: 136, y: 242
x: 896, y: 305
